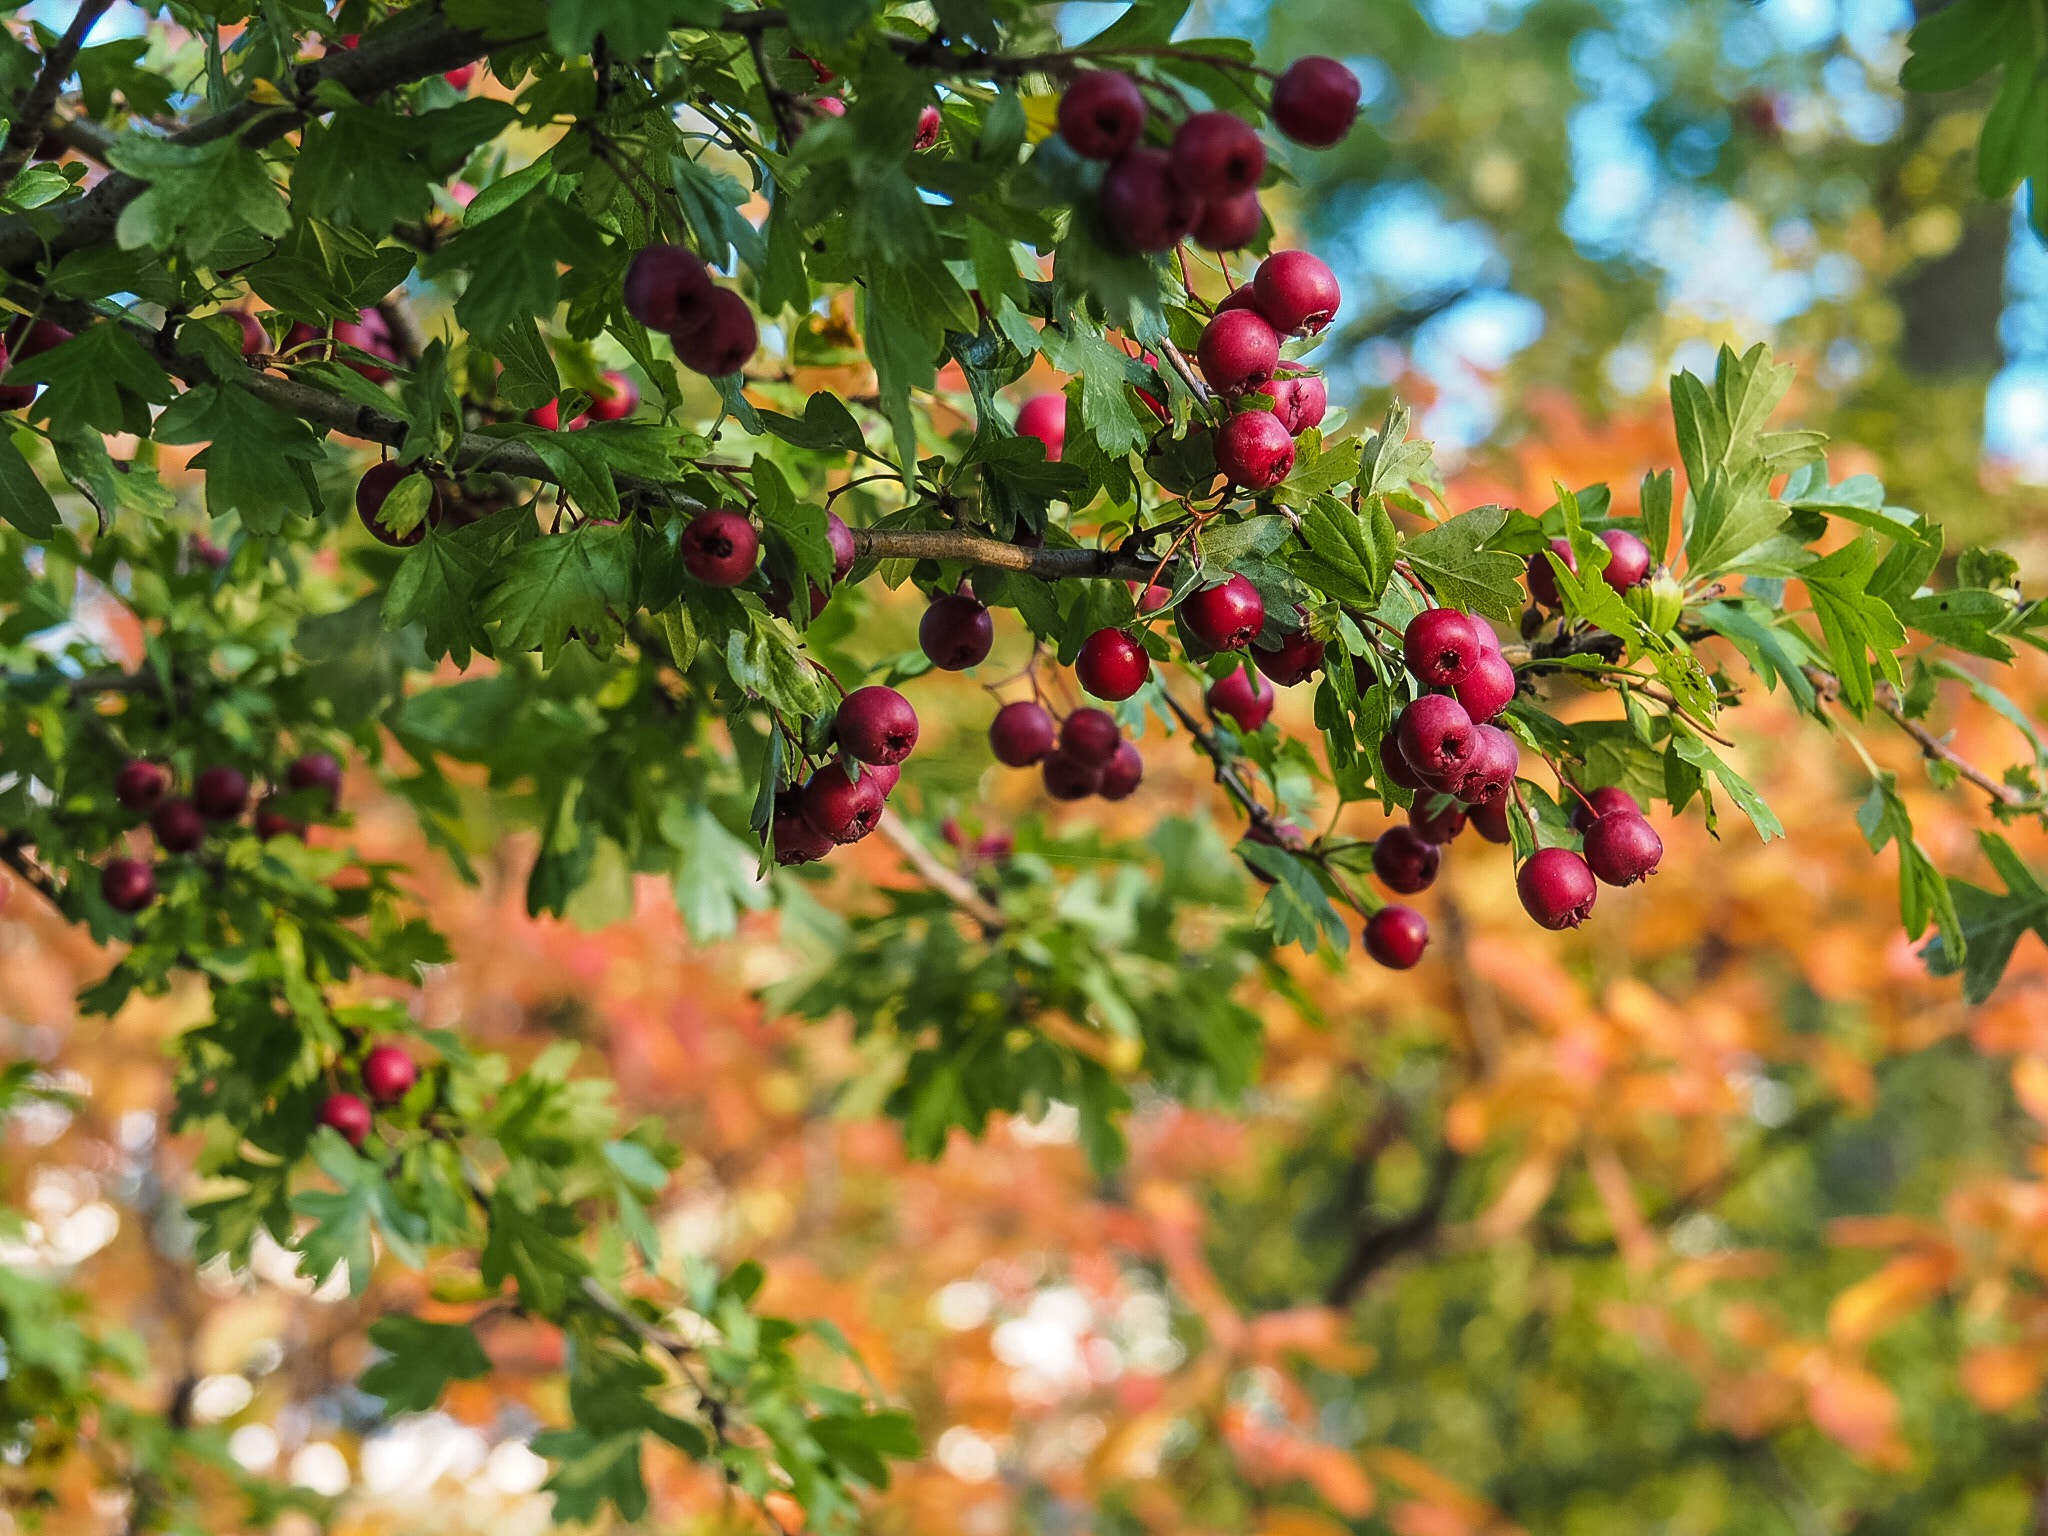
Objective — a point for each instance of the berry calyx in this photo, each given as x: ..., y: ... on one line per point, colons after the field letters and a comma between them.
x: 1123, y: 773
x: 1069, y: 778
x: 220, y: 792
x: 1225, y: 617
x: 316, y: 770
x: 720, y: 548
x: 1556, y: 888
x: 1489, y: 687
x: 1628, y: 559
x: 724, y: 341
x: 1315, y: 101
x: 128, y: 885
x: 1143, y: 208
x: 956, y: 632
x: 1623, y: 848
x: 1436, y: 736
x: 1254, y: 451
x: 1112, y: 665
x: 178, y: 826
x: 1090, y: 737
x: 1395, y: 936
x: 667, y: 288
x: 1045, y: 418
x: 389, y: 1073
x: 1217, y: 154
x: 1021, y: 734
x: 376, y: 486
x: 876, y: 726
x: 1230, y: 223
x: 1300, y: 401
x: 1604, y: 801
x: 1245, y: 696
x: 1294, y: 660
x: 1543, y: 579
x: 1440, y: 647
x: 142, y: 785
x: 845, y: 810
x: 1238, y: 351
x: 1404, y: 860
x: 1441, y: 826
x: 1297, y: 292
x: 1102, y: 114
x: 349, y: 1115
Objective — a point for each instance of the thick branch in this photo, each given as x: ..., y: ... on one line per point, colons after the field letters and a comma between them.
x: 32, y: 117
x: 14, y: 858
x: 1377, y: 1246
x: 948, y: 882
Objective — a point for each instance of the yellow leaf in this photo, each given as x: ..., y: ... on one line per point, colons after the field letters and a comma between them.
x: 267, y: 94
x: 2002, y: 1376
x: 2030, y: 1086
x: 1041, y: 117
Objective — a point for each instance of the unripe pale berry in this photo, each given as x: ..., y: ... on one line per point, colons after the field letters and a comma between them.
x: 956, y: 632
x: 220, y: 792
x: 389, y: 1073
x: 1122, y: 773
x: 1245, y: 696
x: 1254, y: 451
x: 1315, y: 101
x: 1439, y: 646
x: 1300, y: 401
x: 1623, y: 848
x: 1112, y: 665
x: 1230, y: 223
x: 128, y: 885
x: 1556, y: 888
x: 1238, y: 351
x: 1293, y: 661
x: 1436, y: 826
x: 1628, y: 559
x: 1021, y: 734
x: 1404, y: 860
x: 1489, y: 687
x: 1090, y: 737
x: 720, y: 548
x: 1045, y: 418
x: 349, y: 1115
x: 1604, y: 801
x: 1490, y: 772
x: 1297, y: 292
x: 1227, y: 617
x: 728, y: 336
x: 178, y: 826
x: 1436, y: 736
x: 1069, y: 778
x: 1395, y: 936
x: 667, y: 288
x: 1102, y: 114
x: 142, y: 785
x: 1142, y: 208
x: 1543, y: 580
x: 845, y: 810
x: 877, y: 725
x: 1217, y: 154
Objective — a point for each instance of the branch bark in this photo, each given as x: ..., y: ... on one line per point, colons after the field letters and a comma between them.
x: 32, y: 116
x: 948, y: 882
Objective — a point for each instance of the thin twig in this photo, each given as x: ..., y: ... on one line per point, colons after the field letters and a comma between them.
x: 947, y: 882
x: 1934, y: 747
x: 32, y: 118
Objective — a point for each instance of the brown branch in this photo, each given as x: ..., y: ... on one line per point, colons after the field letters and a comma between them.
x: 1226, y: 773
x: 948, y: 882
x: 1379, y: 1244
x: 1932, y: 746
x: 14, y: 858
x: 32, y: 116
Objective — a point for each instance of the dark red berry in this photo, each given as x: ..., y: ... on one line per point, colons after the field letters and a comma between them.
x: 142, y: 785
x: 668, y: 288
x: 1152, y: 598
x: 1122, y: 773
x: 1556, y: 888
x: 776, y: 598
x: 796, y: 841
x: 1436, y: 736
x: 220, y: 792
x: 1490, y: 820
x: 270, y: 821
x: 1296, y: 292
x: 1112, y: 665
x: 376, y: 486
x: 1230, y: 223
x: 1216, y: 154
x: 1045, y: 418
x: 1245, y: 696
x: 1623, y: 848
x: 369, y: 334
x: 1441, y: 826
x: 1069, y: 778
x: 1489, y: 687
x: 1300, y: 401
x: 1628, y: 559
x: 1315, y: 101
x: 255, y: 340
x: 316, y: 770
x: 389, y: 1073
x: 13, y: 396
x: 1238, y: 351
x: 886, y: 776
x: 1440, y: 646
x: 1394, y: 764
x: 1238, y: 298
x: 178, y: 826
x: 877, y: 725
x: 995, y: 847
x: 956, y: 632
x: 1490, y: 772
x: 1102, y: 114
x: 349, y: 1115
x: 1226, y: 617
x: 929, y: 122
x: 1090, y: 737
x: 1543, y: 580
x: 721, y: 345
x: 720, y: 548
x: 1021, y: 734
x: 845, y: 810
x: 618, y: 399
x: 1396, y: 936
x: 1254, y: 451
x: 1404, y: 860
x: 128, y: 885
x: 844, y: 550
x: 1142, y: 208
x: 1604, y: 801
x: 1293, y: 661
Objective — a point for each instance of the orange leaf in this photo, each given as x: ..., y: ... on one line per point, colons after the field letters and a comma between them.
x: 2002, y: 1376
x: 2030, y: 1086
x: 1906, y: 1284
x: 1856, y: 1410
x: 1300, y: 1522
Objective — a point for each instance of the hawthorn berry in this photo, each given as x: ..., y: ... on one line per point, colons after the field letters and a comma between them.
x: 1090, y: 737
x: 220, y: 792
x: 1238, y: 351
x: 349, y: 1115
x: 1254, y: 451
x: 272, y: 822
x: 796, y: 841
x: 1628, y: 559
x: 369, y: 334
x: 1394, y: 764
x: 845, y: 810
x: 1045, y: 418
x: 13, y: 396
x: 142, y: 785
x: 1556, y: 888
x: 956, y: 632
x: 549, y: 418
x: 668, y: 288
x: 1021, y: 734
x: 1102, y: 114
x: 1604, y: 801
x: 255, y: 339
x: 1297, y: 292
x: 375, y: 488
x: 1490, y: 820
x: 1543, y: 579
x: 315, y: 770
x: 1436, y: 736
x: 459, y: 78
x: 877, y: 725
x: 844, y: 550
x: 178, y: 826
x: 1123, y: 773
x: 1489, y: 687
x: 1440, y: 647
x: 1300, y: 401
x: 1293, y: 661
x: 1142, y: 207
x: 1442, y: 826
x: 128, y: 885
x: 1241, y: 297
x: 620, y: 399
x: 1490, y: 772
x: 1315, y: 101
x: 1225, y: 617
x: 1070, y: 778
x: 1395, y: 936
x: 886, y: 776
x: 1112, y: 665
x: 1152, y: 597
x: 726, y: 339
x: 1404, y: 860
x: 389, y: 1073
x: 1245, y: 696
x: 1623, y: 848
x: 1217, y: 154
x: 929, y: 122
x: 994, y: 847
x: 1230, y: 223
x: 720, y: 548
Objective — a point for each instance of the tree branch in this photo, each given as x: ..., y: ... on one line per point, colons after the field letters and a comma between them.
x: 1379, y: 1245
x: 14, y: 858
x: 1934, y: 747
x: 948, y: 882
x: 32, y: 116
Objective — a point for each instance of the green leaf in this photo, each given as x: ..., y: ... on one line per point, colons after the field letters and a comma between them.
x: 1346, y: 555
x: 1691, y: 749
x: 536, y: 1249
x: 581, y: 580
x: 420, y: 1359
x: 369, y: 169
x: 1463, y: 573
x: 23, y: 501
x: 258, y: 461
x: 711, y: 201
x: 1990, y: 922
x: 1296, y: 907
x: 1105, y: 373
x: 320, y: 273
x: 592, y: 1471
x: 529, y: 378
x: 1855, y: 624
x: 201, y: 197
x: 436, y: 588
x: 100, y: 378
x: 1923, y: 892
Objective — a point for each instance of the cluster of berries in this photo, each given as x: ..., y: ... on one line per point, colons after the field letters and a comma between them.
x: 842, y: 801
x: 721, y: 548
x: 180, y: 823
x: 388, y: 1073
x: 1086, y: 754
x: 1293, y: 294
x: 617, y: 398
x: 670, y: 289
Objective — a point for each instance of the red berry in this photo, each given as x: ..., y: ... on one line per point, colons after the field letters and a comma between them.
x: 549, y: 418
x: 178, y: 826
x: 1296, y: 292
x: 1102, y: 114
x: 1394, y: 764
x: 1436, y: 826
x: 1045, y: 418
x: 840, y: 808
x: 1396, y: 936
x: 1112, y: 665
x: 1142, y: 207
x: 1440, y: 647
x: 844, y: 550
x: 1153, y: 598
x: 1230, y: 223
x: 271, y: 822
x: 956, y: 632
x: 367, y: 333
x: 668, y: 288
x: 1490, y: 772
x: 1557, y: 888
x: 1315, y: 101
x: 1069, y: 778
x: 1245, y: 697
x: 1090, y: 738
x: 1300, y: 401
x: 128, y: 885
x: 1216, y: 154
x: 1123, y: 773
x: 316, y: 770
x: 1543, y: 580
x: 1404, y: 861
x: 995, y: 847
x: 1623, y: 848
x: 929, y: 122
x: 41, y: 336
x: 886, y: 776
x: 1238, y: 351
x: 1490, y: 820
x: 220, y: 792
x: 460, y: 77
x: 389, y: 1073
x: 376, y: 486
x: 13, y: 396
x: 1227, y: 617
x: 1628, y: 559
x: 1436, y: 736
x: 1489, y: 687
x: 142, y: 785
x: 1293, y: 661
x: 720, y: 548
x: 1484, y: 631
x: 1604, y: 801
x: 1254, y: 451
x: 255, y: 340
x: 1021, y: 734
x: 619, y: 399
x: 347, y: 1114
x: 725, y: 340
x: 877, y: 725
x: 1240, y: 298
x: 796, y: 841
